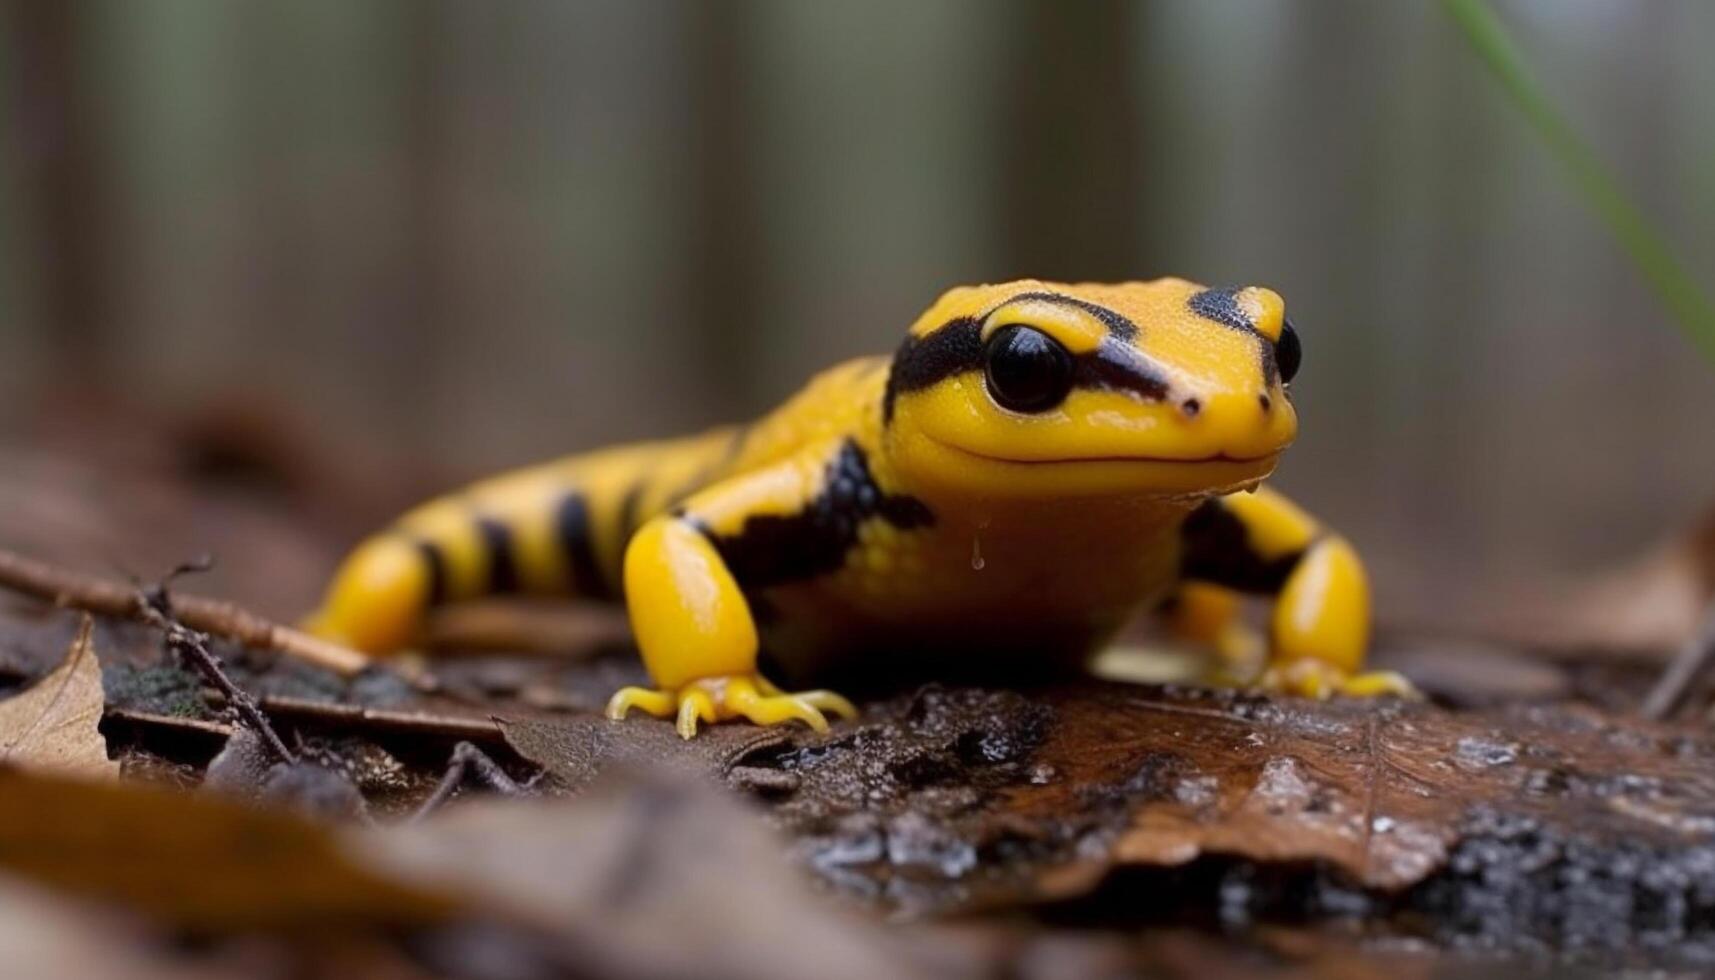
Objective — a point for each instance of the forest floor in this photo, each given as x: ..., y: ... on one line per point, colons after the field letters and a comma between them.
x: 473, y: 815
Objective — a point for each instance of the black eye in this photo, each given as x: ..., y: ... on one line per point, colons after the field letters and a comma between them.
x: 1028, y: 371
x: 1287, y: 353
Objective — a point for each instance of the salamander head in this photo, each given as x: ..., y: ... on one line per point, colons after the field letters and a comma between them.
x: 1035, y: 388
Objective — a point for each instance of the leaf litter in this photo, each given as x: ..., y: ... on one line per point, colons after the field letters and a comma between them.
x: 54, y: 724
x: 1229, y: 829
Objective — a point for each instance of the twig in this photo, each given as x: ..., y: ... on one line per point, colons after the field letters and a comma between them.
x: 226, y: 620
x: 468, y: 759
x: 333, y: 714
x: 1688, y: 666
x: 155, y: 608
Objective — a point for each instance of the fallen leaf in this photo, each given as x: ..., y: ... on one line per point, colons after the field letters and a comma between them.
x: 647, y: 874
x: 197, y: 860
x: 575, y: 751
x: 1642, y: 608
x: 651, y: 873
x: 47, y: 935
x: 54, y: 725
x: 964, y: 799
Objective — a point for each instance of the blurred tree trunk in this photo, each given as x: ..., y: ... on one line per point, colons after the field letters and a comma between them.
x: 67, y: 201
x: 1071, y: 145
x: 724, y: 319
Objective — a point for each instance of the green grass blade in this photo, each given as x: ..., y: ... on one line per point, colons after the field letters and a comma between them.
x: 1673, y: 285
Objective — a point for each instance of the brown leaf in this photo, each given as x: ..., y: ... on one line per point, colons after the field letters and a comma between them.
x: 576, y: 750
x: 195, y: 859
x: 1380, y: 792
x: 652, y: 873
x: 649, y: 874
x: 1643, y: 608
x: 45, y: 935
x: 962, y: 798
x: 54, y: 725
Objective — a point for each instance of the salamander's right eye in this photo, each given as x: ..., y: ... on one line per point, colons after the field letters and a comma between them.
x: 1287, y: 353
x: 1027, y: 370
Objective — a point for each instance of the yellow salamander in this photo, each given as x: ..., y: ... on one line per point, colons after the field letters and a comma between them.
x: 1035, y: 464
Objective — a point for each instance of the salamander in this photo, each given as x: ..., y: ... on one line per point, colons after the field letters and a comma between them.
x: 1035, y: 464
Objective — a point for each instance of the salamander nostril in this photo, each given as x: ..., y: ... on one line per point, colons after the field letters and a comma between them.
x: 1264, y: 401
x: 1191, y: 407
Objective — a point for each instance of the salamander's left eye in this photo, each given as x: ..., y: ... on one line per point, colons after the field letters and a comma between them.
x: 1287, y: 353
x: 1028, y: 371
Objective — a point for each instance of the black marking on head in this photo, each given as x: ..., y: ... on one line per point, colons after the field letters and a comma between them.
x: 1217, y: 549
x: 1113, y: 368
x: 1222, y: 306
x: 1120, y: 327
x: 773, y: 550
x: 572, y: 529
x: 436, y: 565
x: 502, y: 562
x: 956, y: 348
x: 923, y: 362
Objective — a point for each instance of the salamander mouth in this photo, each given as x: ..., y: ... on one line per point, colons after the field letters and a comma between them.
x: 1214, y: 460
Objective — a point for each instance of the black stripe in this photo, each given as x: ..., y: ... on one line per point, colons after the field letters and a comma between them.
x: 773, y: 550
x: 572, y: 526
x: 1115, y: 368
x: 502, y: 561
x: 436, y: 563
x: 1119, y: 326
x: 1222, y: 306
x: 1217, y: 549
x: 956, y: 347
x: 923, y: 362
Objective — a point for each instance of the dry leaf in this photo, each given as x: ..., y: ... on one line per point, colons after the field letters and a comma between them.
x: 55, y: 724
x: 652, y: 873
x: 649, y: 874
x: 195, y: 859
x: 47, y: 935
x: 575, y: 751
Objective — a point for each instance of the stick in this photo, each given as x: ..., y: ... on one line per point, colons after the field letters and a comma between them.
x: 90, y: 593
x: 467, y: 758
x: 1682, y: 674
x: 155, y: 608
x: 302, y: 711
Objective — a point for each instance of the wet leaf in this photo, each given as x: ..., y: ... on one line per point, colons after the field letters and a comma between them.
x: 53, y: 725
x: 960, y: 799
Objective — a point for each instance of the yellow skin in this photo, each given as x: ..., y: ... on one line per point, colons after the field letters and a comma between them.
x: 1037, y: 463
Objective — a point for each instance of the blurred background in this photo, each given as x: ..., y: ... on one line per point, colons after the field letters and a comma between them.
x: 421, y: 241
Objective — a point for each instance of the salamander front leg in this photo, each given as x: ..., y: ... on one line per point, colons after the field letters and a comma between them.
x: 699, y: 641
x: 1319, y: 627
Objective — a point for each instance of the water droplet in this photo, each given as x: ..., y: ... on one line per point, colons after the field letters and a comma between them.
x: 1472, y: 753
x: 977, y: 561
